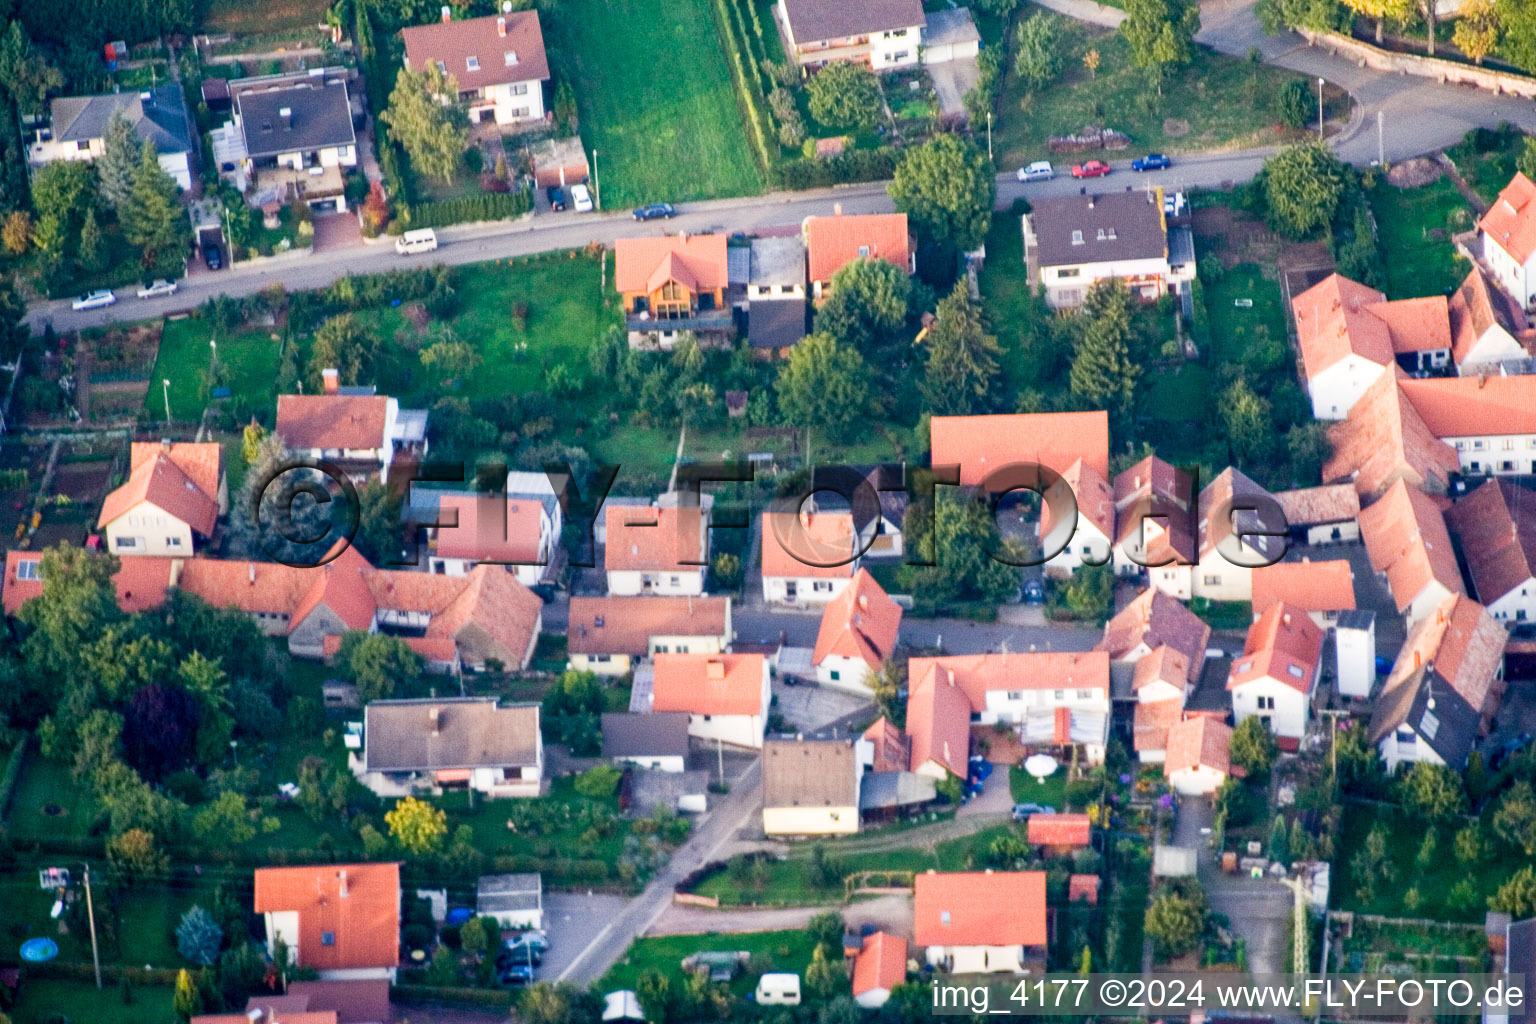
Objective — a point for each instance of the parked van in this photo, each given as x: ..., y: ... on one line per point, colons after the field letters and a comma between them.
x: 778, y: 990
x: 424, y: 240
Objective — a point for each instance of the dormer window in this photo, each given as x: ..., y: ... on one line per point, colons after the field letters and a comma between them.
x: 327, y: 938
x: 1111, y: 234
x: 511, y: 57
x: 863, y: 252
x: 29, y: 570
x: 1101, y: 234
x: 441, y: 67
x: 471, y: 63
x: 1077, y: 238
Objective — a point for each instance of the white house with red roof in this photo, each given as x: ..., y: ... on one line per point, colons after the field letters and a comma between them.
x: 1055, y: 698
x: 858, y: 633
x: 498, y: 62
x: 1321, y: 589
x: 341, y: 920
x: 938, y: 725
x: 880, y: 966
x: 726, y: 696
x: 655, y: 550
x: 1199, y: 755
x: 980, y: 445
x: 1407, y: 542
x: 809, y: 558
x: 981, y: 922
x: 832, y: 243
x: 1277, y: 673
x: 1161, y: 684
x: 171, y: 501
x: 1508, y: 232
x: 516, y: 533
x: 1233, y: 536
x: 1154, y: 521
x: 361, y: 433
x: 1090, y: 540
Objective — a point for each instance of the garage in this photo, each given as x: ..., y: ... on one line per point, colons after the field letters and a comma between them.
x: 950, y: 35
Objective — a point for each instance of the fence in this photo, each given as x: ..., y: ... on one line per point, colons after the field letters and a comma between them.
x: 1448, y: 71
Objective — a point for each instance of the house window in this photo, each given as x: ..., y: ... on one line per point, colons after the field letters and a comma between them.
x: 1068, y: 272
x: 1212, y: 581
x: 127, y: 542
x: 1266, y: 703
x: 602, y: 659
x: 863, y: 252
x: 675, y: 581
x: 944, y: 917
x: 835, y: 675
x: 900, y: 55
x: 1477, y: 446
x: 29, y: 570
x: 1101, y: 235
x: 1060, y: 695
x: 822, y: 586
x: 511, y: 58
x: 1084, y: 694
x: 327, y: 938
x: 1429, y: 725
x: 441, y: 67
x: 1294, y: 670
x: 1015, y: 694
x: 471, y: 63
x: 1077, y: 238
x: 520, y: 89
x: 662, y: 649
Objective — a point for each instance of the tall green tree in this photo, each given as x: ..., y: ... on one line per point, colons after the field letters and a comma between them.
x: 1431, y: 792
x: 24, y: 73
x: 1037, y: 55
x: 947, y: 189
x: 823, y: 384
x: 64, y: 190
x: 151, y: 219
x: 1103, y: 374
x: 1245, y: 415
x: 118, y: 162
x: 956, y: 535
x: 376, y: 662
x: 962, y: 372
x: 1517, y: 37
x: 1382, y: 11
x: 845, y: 96
x: 342, y: 344
x: 1252, y: 746
x: 868, y: 304
x: 92, y: 250
x: 433, y: 134
x: 1161, y: 35
x: 1302, y: 187
x: 1175, y: 918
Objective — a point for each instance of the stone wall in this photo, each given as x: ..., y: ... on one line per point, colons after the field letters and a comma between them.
x: 1446, y: 71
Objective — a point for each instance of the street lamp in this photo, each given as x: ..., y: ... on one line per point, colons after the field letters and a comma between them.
x: 989, y: 135
x: 1319, y: 107
x: 597, y: 185
x: 166, y: 384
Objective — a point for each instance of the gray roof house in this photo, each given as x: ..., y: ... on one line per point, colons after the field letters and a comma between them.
x: 412, y: 746
x: 515, y: 901
x: 302, y: 117
x: 658, y: 739
x: 79, y: 128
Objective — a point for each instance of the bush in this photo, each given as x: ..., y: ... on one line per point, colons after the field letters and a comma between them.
x: 468, y: 209
x: 1293, y: 104
x: 851, y: 166
x: 599, y: 782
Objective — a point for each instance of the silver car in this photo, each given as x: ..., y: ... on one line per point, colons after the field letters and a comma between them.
x: 157, y: 289
x: 94, y: 300
x: 1040, y: 170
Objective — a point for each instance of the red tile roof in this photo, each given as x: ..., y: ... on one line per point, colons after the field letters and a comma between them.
x: 357, y: 904
x: 1165, y: 664
x: 668, y: 539
x: 1083, y: 887
x: 861, y: 622
x: 979, y: 908
x: 1315, y: 506
x: 697, y: 261
x: 1059, y: 829
x: 141, y: 582
x: 625, y: 625
x: 1511, y: 220
x: 881, y: 963
x: 976, y: 674
x: 1155, y: 618
x: 332, y: 421
x: 821, y: 537
x: 1465, y: 406
x: 1477, y: 307
x: 479, y: 535
x: 1153, y: 719
x: 834, y: 242
x: 1310, y: 586
x: 892, y: 751
x: 1384, y: 439
x: 1466, y: 646
x: 1284, y: 645
x: 709, y: 684
x: 179, y: 479
x: 1496, y: 525
x: 1332, y: 323
x: 1148, y: 477
x: 1199, y: 742
x: 981, y: 444
x: 939, y: 724
x: 507, y: 48
x: 1405, y: 537
x: 1095, y: 500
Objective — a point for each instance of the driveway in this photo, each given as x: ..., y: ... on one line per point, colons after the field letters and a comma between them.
x: 572, y: 920
x: 951, y: 81
x: 335, y: 231
x: 1259, y: 909
x: 809, y: 708
x: 888, y: 913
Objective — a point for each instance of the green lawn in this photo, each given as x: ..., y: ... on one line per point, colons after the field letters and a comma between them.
x: 1009, y: 299
x: 250, y: 359
x: 247, y: 16
x: 1414, y: 227
x: 656, y: 100
x: 774, y: 951
x: 1049, y: 792
x: 49, y: 802
x: 1217, y: 101
x: 44, y: 1000
x: 1486, y: 159
x: 567, y: 310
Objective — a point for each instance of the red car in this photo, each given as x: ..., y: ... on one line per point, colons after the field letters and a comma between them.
x: 1091, y: 169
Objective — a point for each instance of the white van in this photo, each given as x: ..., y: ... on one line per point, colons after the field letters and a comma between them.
x: 424, y: 240
x: 778, y: 990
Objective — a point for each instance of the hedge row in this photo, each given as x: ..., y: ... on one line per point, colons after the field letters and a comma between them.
x: 467, y: 209
x: 67, y: 970
x: 416, y: 995
x: 748, y: 85
x: 843, y: 169
x: 12, y: 777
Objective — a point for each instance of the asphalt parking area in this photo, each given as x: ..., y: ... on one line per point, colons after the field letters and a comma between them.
x: 572, y: 920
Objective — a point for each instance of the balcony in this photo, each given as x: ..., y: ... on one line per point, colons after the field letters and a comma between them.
x: 704, y: 321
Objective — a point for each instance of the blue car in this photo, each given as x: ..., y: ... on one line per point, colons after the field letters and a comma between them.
x: 1151, y: 162
x: 655, y: 211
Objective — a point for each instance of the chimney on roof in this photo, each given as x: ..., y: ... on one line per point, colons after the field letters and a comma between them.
x: 165, y: 444
x: 837, y: 209
x: 341, y: 883
x: 432, y: 716
x: 506, y: 6
x: 864, y: 602
x: 501, y: 27
x: 447, y: 14
x: 1090, y: 201
x: 332, y: 378
x: 1285, y: 617
x: 252, y: 568
x: 286, y: 113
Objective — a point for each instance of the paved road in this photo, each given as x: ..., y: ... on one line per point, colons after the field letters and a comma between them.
x: 728, y: 817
